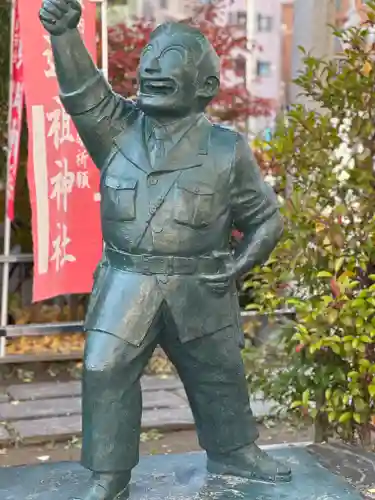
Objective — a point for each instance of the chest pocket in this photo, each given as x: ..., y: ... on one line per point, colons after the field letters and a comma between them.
x: 194, y: 203
x: 119, y: 198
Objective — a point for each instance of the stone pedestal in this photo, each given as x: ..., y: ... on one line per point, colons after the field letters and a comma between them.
x: 180, y: 477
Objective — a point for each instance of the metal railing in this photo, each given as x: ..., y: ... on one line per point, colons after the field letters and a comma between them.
x: 9, y: 331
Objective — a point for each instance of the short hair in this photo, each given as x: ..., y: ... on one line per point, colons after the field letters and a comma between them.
x: 206, y: 58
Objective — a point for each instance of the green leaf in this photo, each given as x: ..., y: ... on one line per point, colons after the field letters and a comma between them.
x: 355, y: 343
x: 345, y: 417
x: 348, y: 338
x: 296, y: 404
x: 324, y: 274
x: 371, y: 390
x: 365, y: 338
x: 332, y: 416
x: 359, y: 322
x: 338, y: 264
x: 306, y: 397
x: 326, y: 299
x: 346, y: 399
x: 336, y: 349
x: 252, y: 307
x: 313, y: 413
x: 360, y: 404
x: 365, y: 363
x: 357, y: 417
x: 358, y: 303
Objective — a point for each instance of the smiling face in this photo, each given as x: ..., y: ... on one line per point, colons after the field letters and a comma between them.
x: 167, y: 77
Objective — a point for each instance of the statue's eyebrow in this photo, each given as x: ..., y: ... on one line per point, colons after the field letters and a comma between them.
x: 180, y: 48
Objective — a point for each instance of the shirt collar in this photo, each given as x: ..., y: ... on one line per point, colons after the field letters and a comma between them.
x: 172, y: 131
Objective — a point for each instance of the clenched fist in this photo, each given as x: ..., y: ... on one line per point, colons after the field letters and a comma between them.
x: 58, y: 16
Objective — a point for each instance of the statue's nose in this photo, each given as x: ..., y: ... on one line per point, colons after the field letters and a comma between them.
x: 152, y: 66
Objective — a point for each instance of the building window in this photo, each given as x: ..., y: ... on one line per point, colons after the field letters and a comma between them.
x: 263, y: 68
x: 264, y: 23
x: 241, y: 18
x: 231, y: 18
x: 240, y: 65
x: 237, y: 18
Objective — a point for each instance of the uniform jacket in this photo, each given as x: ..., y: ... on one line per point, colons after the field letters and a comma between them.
x: 187, y: 205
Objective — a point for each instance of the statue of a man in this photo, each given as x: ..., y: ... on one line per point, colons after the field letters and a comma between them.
x: 173, y: 185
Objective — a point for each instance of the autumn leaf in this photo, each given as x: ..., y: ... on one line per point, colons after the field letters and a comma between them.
x: 335, y: 289
x: 366, y: 68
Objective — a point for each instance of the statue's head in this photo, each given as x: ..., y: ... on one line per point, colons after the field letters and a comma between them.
x: 179, y: 72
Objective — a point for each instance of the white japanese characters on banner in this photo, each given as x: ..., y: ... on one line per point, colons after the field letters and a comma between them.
x: 62, y: 178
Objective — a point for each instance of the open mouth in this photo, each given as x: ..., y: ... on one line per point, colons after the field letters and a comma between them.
x: 160, y: 86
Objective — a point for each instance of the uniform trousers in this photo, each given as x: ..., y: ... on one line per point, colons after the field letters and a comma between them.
x: 210, y: 368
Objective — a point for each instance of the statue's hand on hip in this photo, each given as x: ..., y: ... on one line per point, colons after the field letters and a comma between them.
x: 220, y: 282
x: 59, y: 16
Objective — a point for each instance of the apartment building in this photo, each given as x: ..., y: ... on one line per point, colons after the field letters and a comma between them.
x: 311, y: 28
x: 163, y: 10
x: 287, y: 18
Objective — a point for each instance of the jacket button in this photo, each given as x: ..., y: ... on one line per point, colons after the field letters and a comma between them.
x: 152, y: 210
x: 153, y: 181
x: 196, y: 190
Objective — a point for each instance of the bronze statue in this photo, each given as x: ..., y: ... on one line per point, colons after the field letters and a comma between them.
x: 173, y: 185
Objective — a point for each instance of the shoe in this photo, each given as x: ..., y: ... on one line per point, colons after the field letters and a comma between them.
x: 106, y: 487
x: 249, y: 462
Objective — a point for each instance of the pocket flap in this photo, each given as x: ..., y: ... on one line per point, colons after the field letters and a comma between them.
x: 193, y: 186
x: 117, y: 183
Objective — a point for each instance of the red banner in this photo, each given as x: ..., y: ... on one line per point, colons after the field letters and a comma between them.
x: 15, y: 110
x: 62, y: 179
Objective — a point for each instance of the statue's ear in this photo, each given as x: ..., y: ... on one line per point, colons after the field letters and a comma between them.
x: 210, y: 87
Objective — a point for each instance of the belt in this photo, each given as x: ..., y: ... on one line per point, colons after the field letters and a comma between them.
x: 161, y: 264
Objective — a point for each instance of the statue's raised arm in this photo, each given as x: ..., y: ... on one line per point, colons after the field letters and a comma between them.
x: 86, y: 95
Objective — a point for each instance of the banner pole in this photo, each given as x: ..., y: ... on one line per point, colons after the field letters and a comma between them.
x: 7, y: 221
x: 104, y: 10
x: 104, y: 34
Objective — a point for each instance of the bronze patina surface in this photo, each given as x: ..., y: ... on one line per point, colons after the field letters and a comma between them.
x: 173, y: 186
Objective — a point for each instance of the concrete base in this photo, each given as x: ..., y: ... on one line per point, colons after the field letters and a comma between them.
x: 180, y: 477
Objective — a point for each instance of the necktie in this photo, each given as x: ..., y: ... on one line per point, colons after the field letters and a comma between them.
x: 157, y: 150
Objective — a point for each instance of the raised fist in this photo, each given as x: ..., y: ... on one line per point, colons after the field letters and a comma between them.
x: 59, y: 16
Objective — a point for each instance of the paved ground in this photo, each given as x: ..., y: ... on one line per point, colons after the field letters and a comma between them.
x: 46, y: 416
x: 354, y: 464
x: 36, y: 413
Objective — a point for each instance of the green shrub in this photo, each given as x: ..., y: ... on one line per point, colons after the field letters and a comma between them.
x: 324, y: 365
